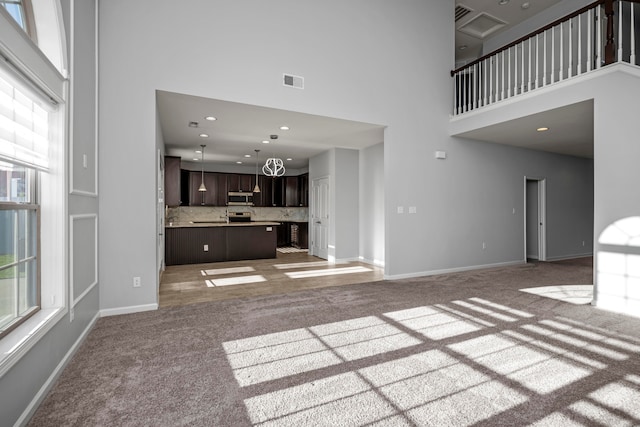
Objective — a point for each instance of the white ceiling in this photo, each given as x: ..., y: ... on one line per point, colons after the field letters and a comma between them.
x: 241, y: 128
x: 570, y: 131
x: 511, y: 13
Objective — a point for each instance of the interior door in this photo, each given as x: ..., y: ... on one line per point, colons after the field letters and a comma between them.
x: 319, y: 210
x: 535, y: 219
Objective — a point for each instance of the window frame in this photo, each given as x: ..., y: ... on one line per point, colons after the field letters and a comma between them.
x: 29, y: 18
x: 30, y: 206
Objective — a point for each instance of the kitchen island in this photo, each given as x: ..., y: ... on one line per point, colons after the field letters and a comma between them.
x: 201, y: 241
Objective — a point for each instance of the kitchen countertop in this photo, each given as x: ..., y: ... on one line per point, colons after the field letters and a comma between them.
x: 220, y: 224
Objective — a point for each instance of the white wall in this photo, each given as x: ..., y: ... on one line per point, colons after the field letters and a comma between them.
x: 347, y: 202
x: 372, y: 231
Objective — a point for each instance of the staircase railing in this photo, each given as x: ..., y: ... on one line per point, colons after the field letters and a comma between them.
x: 599, y: 34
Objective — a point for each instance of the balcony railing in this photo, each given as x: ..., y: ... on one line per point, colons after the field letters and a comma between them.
x: 599, y: 34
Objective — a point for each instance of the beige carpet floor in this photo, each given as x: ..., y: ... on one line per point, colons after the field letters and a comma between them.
x: 452, y: 350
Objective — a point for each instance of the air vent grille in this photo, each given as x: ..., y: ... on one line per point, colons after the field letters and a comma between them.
x: 461, y: 11
x: 293, y: 81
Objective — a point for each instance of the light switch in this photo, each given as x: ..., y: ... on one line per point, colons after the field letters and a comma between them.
x: 400, y: 209
x: 84, y: 161
x: 412, y: 209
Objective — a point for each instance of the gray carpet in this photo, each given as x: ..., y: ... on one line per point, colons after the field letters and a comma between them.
x: 451, y: 350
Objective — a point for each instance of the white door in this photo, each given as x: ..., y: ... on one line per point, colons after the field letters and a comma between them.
x: 160, y: 216
x: 320, y: 217
x: 535, y: 219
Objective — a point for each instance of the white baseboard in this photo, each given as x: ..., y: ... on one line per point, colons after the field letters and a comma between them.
x: 42, y: 393
x: 452, y: 270
x: 575, y: 256
x: 373, y: 262
x: 127, y: 310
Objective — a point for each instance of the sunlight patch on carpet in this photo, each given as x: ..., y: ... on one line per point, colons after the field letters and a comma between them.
x: 573, y: 294
x: 433, y: 323
x: 268, y: 357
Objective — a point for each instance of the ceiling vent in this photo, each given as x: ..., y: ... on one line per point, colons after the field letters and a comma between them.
x: 482, y: 25
x: 462, y: 11
x: 293, y: 81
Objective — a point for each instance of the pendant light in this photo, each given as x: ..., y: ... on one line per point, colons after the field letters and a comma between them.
x: 273, y: 167
x: 256, y: 189
x: 202, y: 186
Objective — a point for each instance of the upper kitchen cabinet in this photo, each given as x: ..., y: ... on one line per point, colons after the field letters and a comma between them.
x: 240, y: 182
x: 303, y: 189
x: 203, y: 198
x: 172, y: 181
x: 291, y: 191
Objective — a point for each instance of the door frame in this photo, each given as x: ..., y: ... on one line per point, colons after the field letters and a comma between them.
x: 542, y: 216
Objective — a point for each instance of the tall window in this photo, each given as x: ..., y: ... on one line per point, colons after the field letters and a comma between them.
x: 22, y: 12
x: 23, y: 155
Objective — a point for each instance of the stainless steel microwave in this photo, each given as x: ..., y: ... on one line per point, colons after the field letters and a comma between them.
x: 239, y: 198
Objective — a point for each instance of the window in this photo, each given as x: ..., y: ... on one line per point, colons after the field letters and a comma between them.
x: 22, y: 12
x: 23, y: 155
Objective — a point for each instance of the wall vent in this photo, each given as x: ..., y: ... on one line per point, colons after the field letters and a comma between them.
x: 293, y: 81
x: 462, y: 11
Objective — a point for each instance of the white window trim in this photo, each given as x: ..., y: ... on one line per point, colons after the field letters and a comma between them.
x: 26, y: 57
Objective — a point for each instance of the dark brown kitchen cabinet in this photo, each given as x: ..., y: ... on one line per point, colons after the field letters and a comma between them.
x: 265, y: 197
x: 203, y: 198
x: 240, y: 182
x: 223, y: 179
x: 172, y: 181
x: 303, y: 189
x: 291, y: 193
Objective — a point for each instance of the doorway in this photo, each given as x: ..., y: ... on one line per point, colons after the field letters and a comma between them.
x: 534, y: 219
x: 319, y: 216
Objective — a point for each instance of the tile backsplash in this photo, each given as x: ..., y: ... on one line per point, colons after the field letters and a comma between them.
x: 184, y: 214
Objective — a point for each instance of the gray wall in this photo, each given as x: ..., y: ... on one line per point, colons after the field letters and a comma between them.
x: 372, y: 204
x: 347, y: 202
x: 23, y: 382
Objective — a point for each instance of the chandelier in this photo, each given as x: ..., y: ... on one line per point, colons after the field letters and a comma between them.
x: 273, y: 167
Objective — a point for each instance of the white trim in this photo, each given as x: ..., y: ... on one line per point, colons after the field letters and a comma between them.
x: 452, y: 270
x: 42, y: 393
x: 72, y: 219
x: 573, y: 256
x: 72, y: 62
x: 24, y: 337
x: 106, y: 312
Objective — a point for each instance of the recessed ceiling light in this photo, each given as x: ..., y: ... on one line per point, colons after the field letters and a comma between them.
x: 289, y: 159
x: 196, y: 159
x: 542, y: 129
x: 247, y: 155
x: 284, y: 127
x: 525, y: 5
x: 463, y: 47
x: 239, y: 162
x: 210, y: 118
x: 204, y: 135
x: 266, y: 141
x: 198, y: 151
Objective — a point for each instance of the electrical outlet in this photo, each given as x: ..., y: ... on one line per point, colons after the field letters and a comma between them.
x: 484, y: 245
x: 206, y: 248
x: 84, y: 161
x: 583, y: 243
x: 137, y: 282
